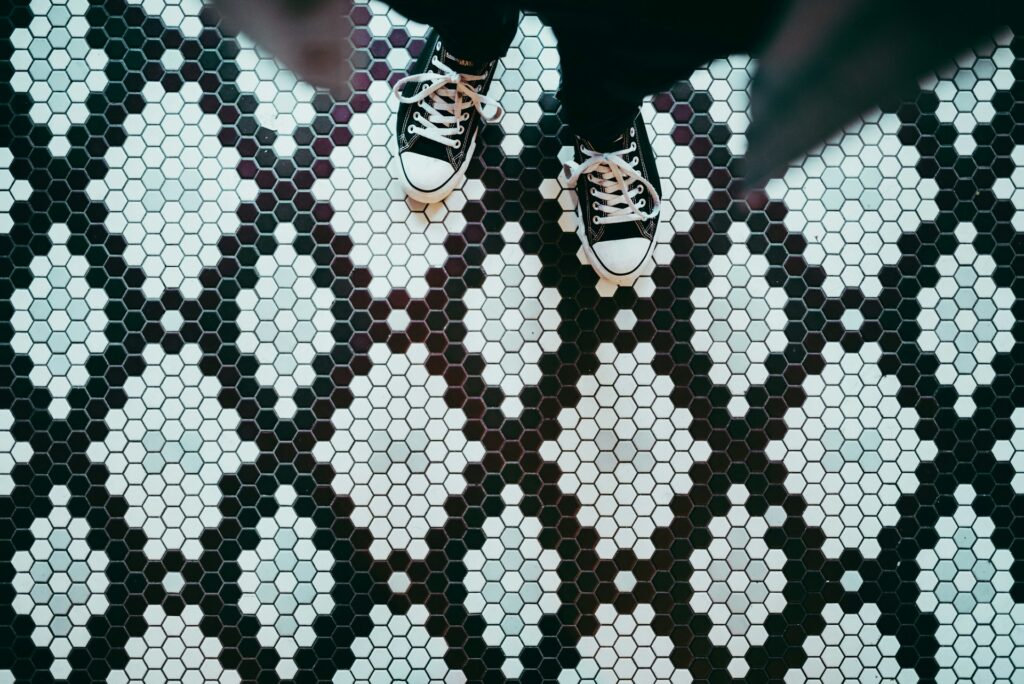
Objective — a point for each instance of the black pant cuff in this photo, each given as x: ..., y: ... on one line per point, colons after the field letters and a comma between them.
x: 477, y: 43
x: 602, y: 133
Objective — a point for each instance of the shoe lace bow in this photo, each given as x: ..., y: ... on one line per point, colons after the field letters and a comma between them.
x: 617, y: 185
x: 444, y: 100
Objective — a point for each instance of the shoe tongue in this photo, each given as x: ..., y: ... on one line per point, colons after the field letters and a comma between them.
x: 463, y: 66
x: 613, y: 145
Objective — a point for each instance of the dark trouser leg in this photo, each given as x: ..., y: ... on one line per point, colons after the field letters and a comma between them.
x: 594, y: 105
x: 616, y: 53
x: 475, y: 30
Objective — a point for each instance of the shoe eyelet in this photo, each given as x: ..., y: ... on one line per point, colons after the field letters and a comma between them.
x: 636, y: 160
x: 593, y: 192
x: 594, y: 205
x: 596, y: 220
x: 461, y: 129
x: 409, y: 130
x: 632, y: 131
x: 458, y: 144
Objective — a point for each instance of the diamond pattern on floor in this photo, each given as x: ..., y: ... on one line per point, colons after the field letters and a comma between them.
x: 262, y: 419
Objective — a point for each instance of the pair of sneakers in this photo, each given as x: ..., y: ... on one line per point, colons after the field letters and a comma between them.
x: 443, y: 103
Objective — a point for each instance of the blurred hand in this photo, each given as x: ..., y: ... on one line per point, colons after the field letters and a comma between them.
x: 310, y: 37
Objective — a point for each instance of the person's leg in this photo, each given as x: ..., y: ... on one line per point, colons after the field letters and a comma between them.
x: 473, y: 30
x: 598, y: 101
x: 613, y: 56
x: 443, y: 101
x: 617, y: 53
x: 479, y: 33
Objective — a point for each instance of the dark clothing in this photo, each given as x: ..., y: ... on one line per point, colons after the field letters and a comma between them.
x: 830, y: 60
x: 477, y: 31
x: 613, y: 52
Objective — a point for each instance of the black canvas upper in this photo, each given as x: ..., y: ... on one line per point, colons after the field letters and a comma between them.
x: 647, y: 166
x: 419, y: 144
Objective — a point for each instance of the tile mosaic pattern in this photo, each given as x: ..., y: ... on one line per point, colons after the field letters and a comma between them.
x: 262, y: 419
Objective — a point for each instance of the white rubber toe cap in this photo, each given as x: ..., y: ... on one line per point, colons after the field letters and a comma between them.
x: 425, y: 177
x: 621, y: 259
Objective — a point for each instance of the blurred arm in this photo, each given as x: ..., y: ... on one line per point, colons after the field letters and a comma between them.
x: 832, y: 60
x: 310, y: 37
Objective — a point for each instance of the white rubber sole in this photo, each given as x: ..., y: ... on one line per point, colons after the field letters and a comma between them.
x: 441, y: 193
x: 625, y: 279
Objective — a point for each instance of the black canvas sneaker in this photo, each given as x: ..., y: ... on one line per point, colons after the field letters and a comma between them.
x: 619, y: 202
x: 441, y: 106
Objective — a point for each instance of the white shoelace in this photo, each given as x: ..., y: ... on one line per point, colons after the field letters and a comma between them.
x: 618, y: 185
x: 443, y: 103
